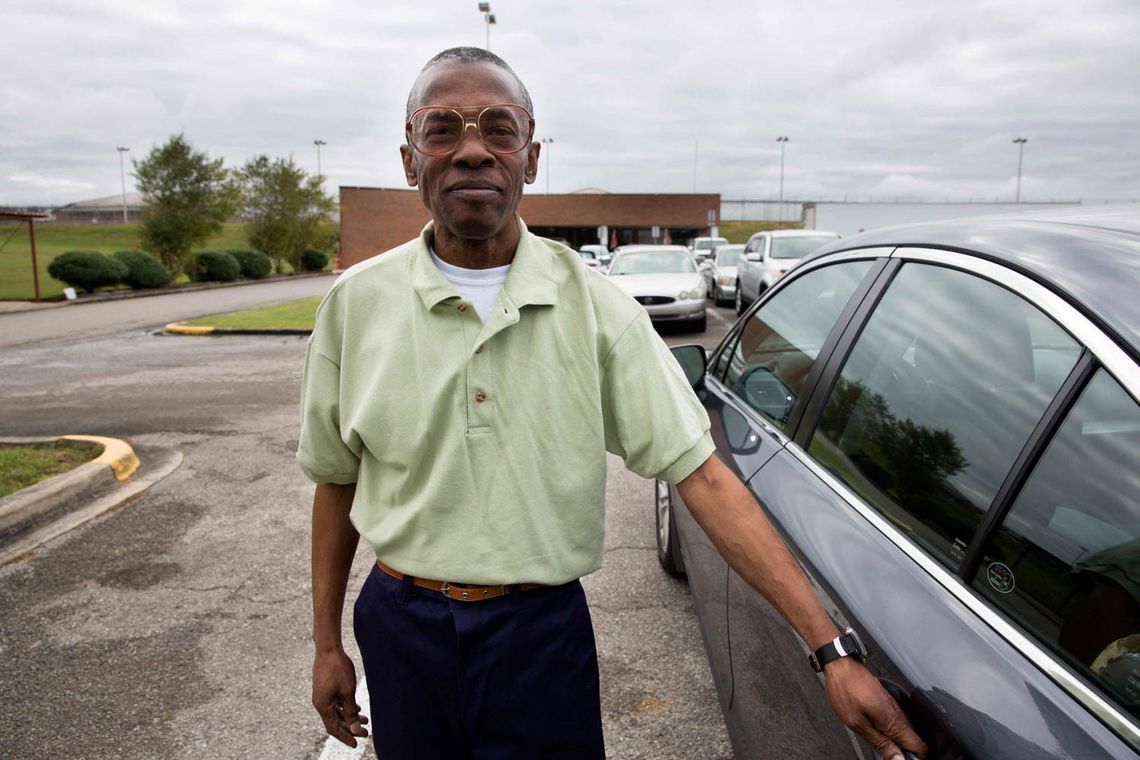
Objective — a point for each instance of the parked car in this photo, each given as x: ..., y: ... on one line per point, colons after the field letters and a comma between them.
x: 720, y: 273
x: 702, y: 247
x: 942, y: 421
x: 590, y: 259
x: 601, y: 253
x: 664, y: 279
x: 768, y: 256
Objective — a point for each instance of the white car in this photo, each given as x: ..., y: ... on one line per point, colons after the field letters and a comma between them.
x: 600, y: 253
x: 702, y: 247
x: 664, y: 279
x: 769, y: 255
x: 720, y: 273
x: 589, y: 259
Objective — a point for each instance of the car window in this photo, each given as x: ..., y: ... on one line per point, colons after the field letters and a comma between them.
x: 798, y: 247
x: 776, y: 348
x: 1066, y: 561
x: 936, y: 400
x: 657, y: 262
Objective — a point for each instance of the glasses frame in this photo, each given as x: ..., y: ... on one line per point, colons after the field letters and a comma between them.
x: 471, y: 121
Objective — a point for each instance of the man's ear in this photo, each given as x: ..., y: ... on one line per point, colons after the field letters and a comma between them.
x: 407, y: 156
x: 531, y: 173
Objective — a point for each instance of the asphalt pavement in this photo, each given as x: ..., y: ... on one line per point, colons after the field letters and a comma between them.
x: 177, y: 626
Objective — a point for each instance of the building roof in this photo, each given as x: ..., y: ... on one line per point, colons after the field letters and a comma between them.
x: 134, y: 200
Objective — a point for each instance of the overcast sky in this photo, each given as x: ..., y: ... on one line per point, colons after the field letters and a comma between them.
x: 880, y: 99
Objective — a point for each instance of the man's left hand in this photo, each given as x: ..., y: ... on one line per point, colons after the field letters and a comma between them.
x: 866, y: 708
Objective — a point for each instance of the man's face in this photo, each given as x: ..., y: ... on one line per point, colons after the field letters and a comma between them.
x: 474, y: 192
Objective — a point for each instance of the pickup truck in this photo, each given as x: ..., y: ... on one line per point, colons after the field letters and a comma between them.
x: 768, y: 255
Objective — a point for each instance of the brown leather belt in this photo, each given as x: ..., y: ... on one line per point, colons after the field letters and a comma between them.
x: 461, y: 592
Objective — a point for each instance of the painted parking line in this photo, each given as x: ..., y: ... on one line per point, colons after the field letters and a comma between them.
x: 333, y: 749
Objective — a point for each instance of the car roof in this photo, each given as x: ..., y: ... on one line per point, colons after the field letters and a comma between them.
x: 1089, y: 256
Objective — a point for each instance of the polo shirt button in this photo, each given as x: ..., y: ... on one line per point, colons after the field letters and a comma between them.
x: 463, y: 307
x: 480, y: 397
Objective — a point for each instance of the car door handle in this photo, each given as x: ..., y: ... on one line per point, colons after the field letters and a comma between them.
x: 940, y: 743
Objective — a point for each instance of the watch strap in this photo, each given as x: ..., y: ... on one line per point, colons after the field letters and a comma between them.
x: 847, y: 644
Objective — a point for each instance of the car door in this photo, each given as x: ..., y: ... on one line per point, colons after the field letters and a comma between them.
x: 943, y: 391
x: 749, y: 393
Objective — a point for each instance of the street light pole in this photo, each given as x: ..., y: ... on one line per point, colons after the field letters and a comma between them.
x: 319, y: 143
x: 123, y: 178
x: 1020, y: 143
x: 783, y: 140
x: 547, y: 141
x: 488, y: 19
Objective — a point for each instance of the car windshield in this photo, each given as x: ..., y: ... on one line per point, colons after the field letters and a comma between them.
x: 709, y: 243
x: 797, y: 247
x: 588, y: 255
x: 728, y: 258
x: 653, y: 262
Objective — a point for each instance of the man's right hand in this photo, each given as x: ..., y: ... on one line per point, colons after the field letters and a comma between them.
x: 334, y: 696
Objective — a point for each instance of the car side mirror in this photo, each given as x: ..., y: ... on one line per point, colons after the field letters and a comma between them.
x: 693, y: 362
x: 753, y: 256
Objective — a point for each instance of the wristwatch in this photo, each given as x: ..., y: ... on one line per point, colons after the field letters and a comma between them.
x: 848, y: 644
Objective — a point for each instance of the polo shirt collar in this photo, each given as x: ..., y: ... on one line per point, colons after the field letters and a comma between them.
x: 528, y: 282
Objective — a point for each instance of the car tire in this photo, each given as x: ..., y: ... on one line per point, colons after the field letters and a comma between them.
x: 739, y: 300
x: 668, y: 543
x: 701, y: 323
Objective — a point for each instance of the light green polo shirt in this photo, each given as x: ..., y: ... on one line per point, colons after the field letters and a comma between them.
x: 478, y: 448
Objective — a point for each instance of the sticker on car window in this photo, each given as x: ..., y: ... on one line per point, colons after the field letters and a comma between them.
x: 1000, y: 577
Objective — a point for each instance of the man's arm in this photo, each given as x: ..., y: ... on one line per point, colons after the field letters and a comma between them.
x: 728, y: 513
x: 334, y: 677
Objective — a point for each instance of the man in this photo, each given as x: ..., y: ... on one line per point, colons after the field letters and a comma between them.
x: 460, y: 393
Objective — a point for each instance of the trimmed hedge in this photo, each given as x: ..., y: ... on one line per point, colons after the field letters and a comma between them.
x: 213, y: 266
x: 143, y: 270
x: 313, y: 260
x: 87, y: 270
x: 254, y: 264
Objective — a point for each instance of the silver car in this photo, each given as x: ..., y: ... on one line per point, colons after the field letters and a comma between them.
x: 664, y: 279
x: 720, y: 273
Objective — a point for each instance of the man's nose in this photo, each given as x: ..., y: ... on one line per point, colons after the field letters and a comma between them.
x: 472, y: 150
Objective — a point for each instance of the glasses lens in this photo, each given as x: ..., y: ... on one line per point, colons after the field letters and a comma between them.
x: 436, y: 130
x: 505, y: 128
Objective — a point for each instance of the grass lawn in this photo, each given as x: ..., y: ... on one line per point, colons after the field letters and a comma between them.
x: 295, y: 315
x: 739, y: 232
x: 53, y: 239
x: 22, y: 466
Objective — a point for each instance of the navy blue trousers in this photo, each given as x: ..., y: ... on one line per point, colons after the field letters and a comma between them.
x: 506, y: 678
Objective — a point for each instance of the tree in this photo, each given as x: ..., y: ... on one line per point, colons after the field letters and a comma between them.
x: 284, y: 208
x: 187, y: 198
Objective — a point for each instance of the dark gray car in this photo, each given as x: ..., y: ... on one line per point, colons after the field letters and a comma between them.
x: 942, y: 421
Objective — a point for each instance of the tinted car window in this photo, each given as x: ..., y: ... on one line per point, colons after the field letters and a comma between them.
x: 937, y: 398
x: 1066, y: 561
x: 776, y: 348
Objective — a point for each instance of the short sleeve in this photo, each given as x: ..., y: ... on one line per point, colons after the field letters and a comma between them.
x: 323, y: 453
x: 653, y: 419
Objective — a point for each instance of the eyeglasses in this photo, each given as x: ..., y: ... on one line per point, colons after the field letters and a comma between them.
x: 438, y: 130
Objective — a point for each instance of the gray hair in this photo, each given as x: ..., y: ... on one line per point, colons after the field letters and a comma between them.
x: 466, y: 55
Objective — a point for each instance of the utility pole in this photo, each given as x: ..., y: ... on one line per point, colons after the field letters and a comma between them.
x: 123, y: 178
x: 1020, y: 143
x: 319, y: 143
x: 547, y: 141
x: 783, y: 140
x: 488, y: 19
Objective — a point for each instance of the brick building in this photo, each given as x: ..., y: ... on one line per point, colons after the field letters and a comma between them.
x: 373, y: 219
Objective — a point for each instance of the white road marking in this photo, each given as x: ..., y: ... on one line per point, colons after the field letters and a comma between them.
x: 333, y: 749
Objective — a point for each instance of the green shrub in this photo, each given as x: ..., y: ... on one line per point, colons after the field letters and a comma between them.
x: 143, y: 270
x: 314, y: 261
x: 254, y: 264
x: 214, y: 266
x: 87, y: 270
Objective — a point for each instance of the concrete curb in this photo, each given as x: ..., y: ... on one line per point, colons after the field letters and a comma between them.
x: 180, y: 328
x: 54, y: 506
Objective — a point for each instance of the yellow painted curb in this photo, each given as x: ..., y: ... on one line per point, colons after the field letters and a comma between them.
x: 118, y: 455
x: 184, y: 329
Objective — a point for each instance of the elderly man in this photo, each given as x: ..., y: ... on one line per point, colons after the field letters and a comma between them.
x: 447, y: 384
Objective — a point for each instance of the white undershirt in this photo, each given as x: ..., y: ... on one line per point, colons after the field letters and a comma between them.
x: 479, y: 286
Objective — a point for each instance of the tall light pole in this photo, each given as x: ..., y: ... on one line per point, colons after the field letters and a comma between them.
x: 123, y: 178
x: 783, y: 140
x: 488, y: 18
x: 319, y: 143
x: 547, y: 141
x: 1020, y: 143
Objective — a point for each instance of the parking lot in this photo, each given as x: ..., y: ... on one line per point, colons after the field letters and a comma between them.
x: 177, y: 626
